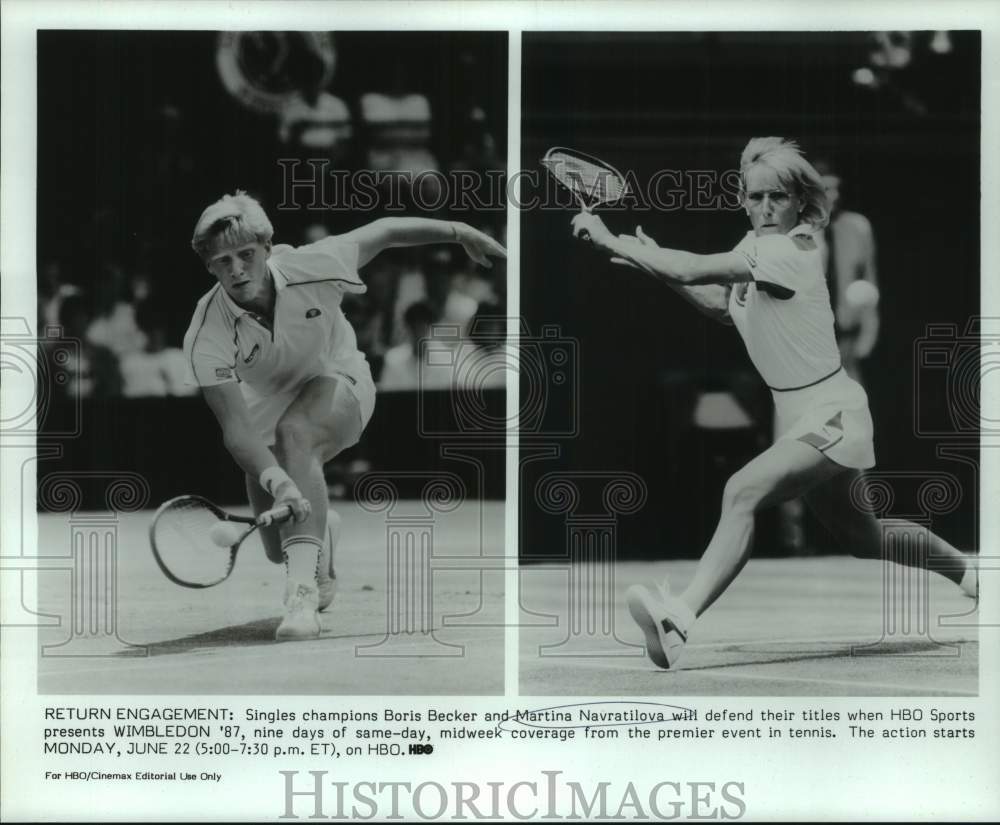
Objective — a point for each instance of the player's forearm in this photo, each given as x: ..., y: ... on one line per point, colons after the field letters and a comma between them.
x: 672, y: 266
x: 711, y: 300
x: 675, y: 268
x: 418, y: 231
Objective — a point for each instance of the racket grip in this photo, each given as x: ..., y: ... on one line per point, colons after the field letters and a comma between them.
x: 276, y: 515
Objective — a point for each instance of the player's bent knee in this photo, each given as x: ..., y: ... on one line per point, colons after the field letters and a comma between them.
x: 291, y: 435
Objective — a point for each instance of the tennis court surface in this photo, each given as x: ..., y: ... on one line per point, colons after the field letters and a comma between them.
x: 786, y: 627
x: 221, y: 639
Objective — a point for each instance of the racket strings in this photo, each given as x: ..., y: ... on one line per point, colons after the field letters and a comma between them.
x: 183, y: 542
x: 595, y: 182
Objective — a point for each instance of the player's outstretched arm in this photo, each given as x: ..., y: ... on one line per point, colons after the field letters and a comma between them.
x: 386, y: 233
x: 249, y: 451
x: 709, y: 299
x: 671, y: 265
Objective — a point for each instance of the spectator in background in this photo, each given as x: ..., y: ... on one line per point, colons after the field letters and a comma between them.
x: 114, y: 326
x: 487, y: 364
x: 401, y: 369
x: 315, y: 232
x: 319, y: 130
x: 398, y: 124
x: 360, y: 313
x: 52, y: 291
x: 157, y: 370
x: 93, y: 373
x: 478, y: 152
x: 382, y: 277
x: 480, y: 286
x: 849, y: 251
x: 411, y: 287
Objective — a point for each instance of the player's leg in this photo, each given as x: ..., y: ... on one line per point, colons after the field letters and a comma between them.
x: 855, y: 526
x: 788, y: 468
x: 313, y: 429
x: 260, y: 500
x: 348, y: 423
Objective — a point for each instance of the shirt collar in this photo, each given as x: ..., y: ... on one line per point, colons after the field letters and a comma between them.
x: 803, y: 229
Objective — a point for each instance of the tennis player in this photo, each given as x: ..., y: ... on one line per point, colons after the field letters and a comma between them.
x: 279, y: 366
x: 772, y: 288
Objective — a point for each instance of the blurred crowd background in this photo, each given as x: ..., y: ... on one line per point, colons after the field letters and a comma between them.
x: 139, y: 131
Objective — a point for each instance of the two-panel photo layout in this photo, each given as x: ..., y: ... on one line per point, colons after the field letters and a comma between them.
x: 711, y: 428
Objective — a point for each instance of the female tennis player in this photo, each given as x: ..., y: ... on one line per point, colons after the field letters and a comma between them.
x: 772, y: 288
x: 280, y: 368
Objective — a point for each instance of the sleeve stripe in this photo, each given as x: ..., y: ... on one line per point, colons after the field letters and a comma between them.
x: 201, y: 326
x: 358, y: 282
x: 776, y: 291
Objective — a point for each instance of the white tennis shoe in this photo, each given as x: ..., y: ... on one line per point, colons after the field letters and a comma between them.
x: 301, y: 620
x: 664, y: 620
x: 326, y: 577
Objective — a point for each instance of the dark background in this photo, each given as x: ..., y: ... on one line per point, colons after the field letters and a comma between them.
x: 908, y: 154
x: 136, y: 135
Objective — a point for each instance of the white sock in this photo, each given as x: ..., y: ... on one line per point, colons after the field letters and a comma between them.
x: 302, y: 558
x: 969, y: 578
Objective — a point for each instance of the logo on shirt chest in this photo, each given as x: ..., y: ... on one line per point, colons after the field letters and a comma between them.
x: 312, y: 313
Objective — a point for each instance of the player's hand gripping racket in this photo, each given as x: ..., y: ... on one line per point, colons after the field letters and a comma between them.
x: 195, y: 543
x: 591, y: 181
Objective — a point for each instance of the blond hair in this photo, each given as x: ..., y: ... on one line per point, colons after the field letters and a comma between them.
x: 785, y: 159
x: 233, y: 220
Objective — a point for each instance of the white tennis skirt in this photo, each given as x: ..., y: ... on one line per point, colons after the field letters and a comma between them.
x: 831, y: 416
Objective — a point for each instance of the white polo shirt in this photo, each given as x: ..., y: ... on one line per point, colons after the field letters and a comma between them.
x: 310, y: 337
x: 784, y: 314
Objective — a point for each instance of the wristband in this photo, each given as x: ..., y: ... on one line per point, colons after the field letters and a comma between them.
x: 272, y: 478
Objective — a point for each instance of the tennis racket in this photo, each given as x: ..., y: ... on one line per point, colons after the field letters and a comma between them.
x: 181, y: 536
x: 591, y: 181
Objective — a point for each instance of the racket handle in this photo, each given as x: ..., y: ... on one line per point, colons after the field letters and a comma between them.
x: 277, y: 515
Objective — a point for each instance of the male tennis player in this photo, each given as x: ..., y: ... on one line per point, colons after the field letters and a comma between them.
x: 280, y: 368
x: 772, y: 288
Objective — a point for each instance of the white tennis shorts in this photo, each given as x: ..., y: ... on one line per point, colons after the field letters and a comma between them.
x: 831, y: 416
x: 353, y: 404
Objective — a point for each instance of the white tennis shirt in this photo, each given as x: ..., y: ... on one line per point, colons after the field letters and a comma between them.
x: 310, y: 335
x: 784, y: 314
